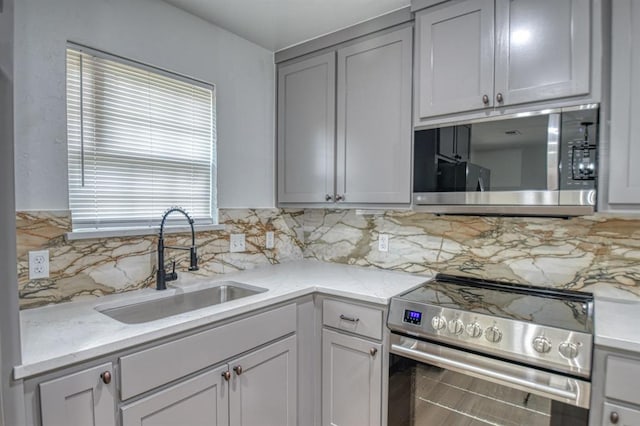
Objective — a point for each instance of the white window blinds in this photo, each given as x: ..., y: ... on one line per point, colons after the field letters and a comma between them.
x: 139, y: 140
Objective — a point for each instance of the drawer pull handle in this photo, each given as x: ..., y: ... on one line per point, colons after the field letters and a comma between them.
x: 227, y: 375
x: 350, y: 319
x: 238, y: 369
x: 106, y: 377
x: 614, y: 417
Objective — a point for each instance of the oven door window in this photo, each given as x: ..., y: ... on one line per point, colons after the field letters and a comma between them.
x: 424, y: 395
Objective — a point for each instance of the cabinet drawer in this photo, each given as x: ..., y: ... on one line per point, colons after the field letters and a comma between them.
x: 354, y: 318
x: 616, y: 415
x: 164, y: 363
x: 622, y: 379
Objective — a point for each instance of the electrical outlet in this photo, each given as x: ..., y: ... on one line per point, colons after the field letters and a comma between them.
x: 383, y: 242
x: 38, y: 264
x: 269, y: 240
x: 236, y: 243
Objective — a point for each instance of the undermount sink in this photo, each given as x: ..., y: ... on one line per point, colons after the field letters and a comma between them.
x: 151, y: 310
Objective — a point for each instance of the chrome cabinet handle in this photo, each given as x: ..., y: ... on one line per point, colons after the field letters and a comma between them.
x: 350, y: 319
x: 499, y: 97
x: 373, y: 351
x: 328, y: 197
x: 339, y: 198
x: 485, y: 99
x: 614, y: 417
x: 227, y: 375
x: 238, y: 369
x: 106, y: 377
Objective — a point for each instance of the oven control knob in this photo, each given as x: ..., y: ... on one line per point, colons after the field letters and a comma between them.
x: 493, y: 334
x: 541, y: 344
x: 439, y: 322
x: 474, y: 330
x: 568, y: 350
x: 456, y: 327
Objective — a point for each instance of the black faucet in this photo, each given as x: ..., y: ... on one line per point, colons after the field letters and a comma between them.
x: 162, y: 276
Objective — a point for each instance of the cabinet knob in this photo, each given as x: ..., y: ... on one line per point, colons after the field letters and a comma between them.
x: 328, y: 197
x: 373, y: 351
x: 499, y: 97
x: 106, y: 377
x: 339, y: 198
x: 485, y: 99
x: 614, y: 417
x: 238, y: 369
x: 227, y: 375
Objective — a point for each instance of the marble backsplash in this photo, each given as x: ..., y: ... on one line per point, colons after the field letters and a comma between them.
x: 600, y: 254
x: 101, y: 266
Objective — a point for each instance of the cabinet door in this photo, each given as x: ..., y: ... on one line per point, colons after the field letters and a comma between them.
x: 542, y: 49
x: 374, y: 119
x: 200, y: 401
x: 306, y: 130
x: 624, y: 178
x: 80, y: 399
x: 616, y: 415
x: 263, y: 388
x: 455, y: 58
x: 351, y: 381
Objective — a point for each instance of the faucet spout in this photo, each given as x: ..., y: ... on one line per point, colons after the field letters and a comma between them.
x: 162, y: 276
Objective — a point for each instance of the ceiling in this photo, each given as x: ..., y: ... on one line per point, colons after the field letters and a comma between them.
x: 276, y: 24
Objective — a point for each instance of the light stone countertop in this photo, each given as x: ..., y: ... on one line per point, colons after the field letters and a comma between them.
x: 617, y: 323
x: 61, y: 335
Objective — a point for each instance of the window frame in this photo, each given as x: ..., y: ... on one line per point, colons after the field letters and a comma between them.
x: 100, y: 227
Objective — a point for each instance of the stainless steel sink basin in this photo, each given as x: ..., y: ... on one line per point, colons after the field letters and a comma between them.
x: 151, y: 310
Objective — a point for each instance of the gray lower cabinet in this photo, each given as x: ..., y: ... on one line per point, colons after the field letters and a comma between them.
x: 344, y: 123
x: 263, y: 386
x: 256, y: 389
x: 202, y: 400
x: 351, y: 380
x: 80, y: 399
x: 615, y: 398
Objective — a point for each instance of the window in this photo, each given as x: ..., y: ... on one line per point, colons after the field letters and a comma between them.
x: 139, y: 140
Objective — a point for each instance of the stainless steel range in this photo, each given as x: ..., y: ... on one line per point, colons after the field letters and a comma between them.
x: 467, y: 351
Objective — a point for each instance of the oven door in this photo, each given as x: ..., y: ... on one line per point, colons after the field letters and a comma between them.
x: 431, y: 385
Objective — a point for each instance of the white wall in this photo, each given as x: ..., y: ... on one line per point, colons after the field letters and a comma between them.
x: 11, y: 394
x: 152, y: 32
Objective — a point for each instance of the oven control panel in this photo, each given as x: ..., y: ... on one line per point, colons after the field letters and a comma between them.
x: 412, y: 317
x: 565, y: 350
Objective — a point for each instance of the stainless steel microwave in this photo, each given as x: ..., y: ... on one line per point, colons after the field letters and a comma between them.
x: 538, y: 163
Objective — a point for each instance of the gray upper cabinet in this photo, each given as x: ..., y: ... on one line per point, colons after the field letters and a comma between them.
x: 455, y: 58
x: 542, y: 50
x: 86, y: 398
x: 374, y: 120
x: 306, y: 130
x: 624, y: 176
x: 534, y: 51
x: 365, y: 155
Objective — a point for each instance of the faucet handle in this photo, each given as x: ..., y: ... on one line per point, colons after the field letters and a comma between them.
x: 173, y: 275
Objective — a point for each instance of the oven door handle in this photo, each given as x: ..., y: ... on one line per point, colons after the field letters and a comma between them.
x: 549, y: 385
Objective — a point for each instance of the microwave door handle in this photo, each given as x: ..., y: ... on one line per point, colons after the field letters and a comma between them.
x: 553, y: 151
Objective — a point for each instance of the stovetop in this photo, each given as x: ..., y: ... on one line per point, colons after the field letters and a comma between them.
x: 563, y: 309
x: 549, y: 328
